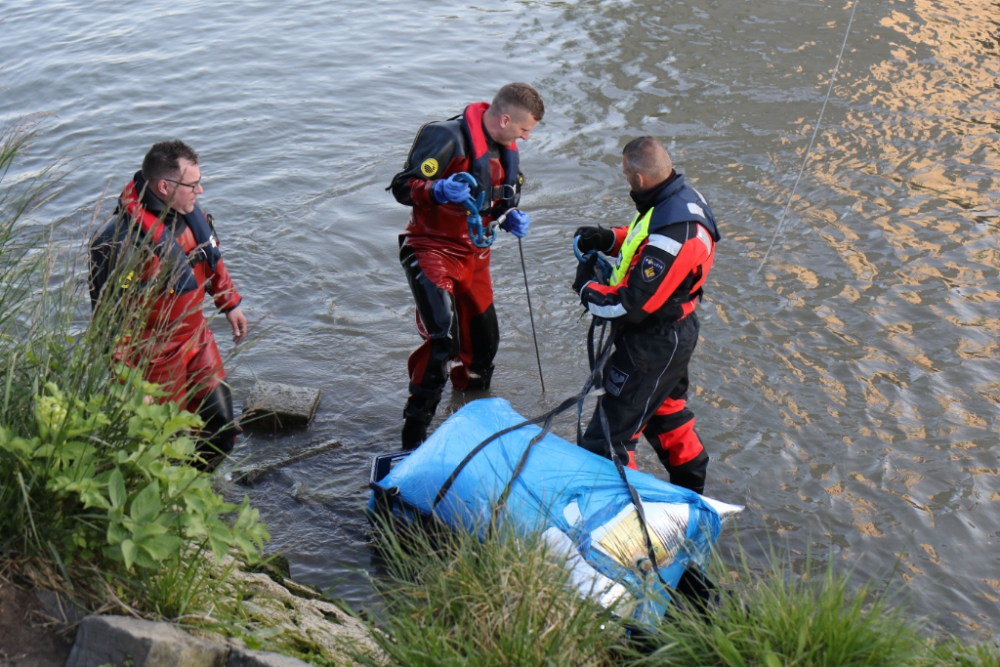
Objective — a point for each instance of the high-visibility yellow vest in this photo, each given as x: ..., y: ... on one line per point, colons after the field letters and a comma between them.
x: 637, y: 233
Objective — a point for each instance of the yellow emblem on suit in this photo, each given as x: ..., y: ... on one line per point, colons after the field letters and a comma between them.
x: 429, y: 167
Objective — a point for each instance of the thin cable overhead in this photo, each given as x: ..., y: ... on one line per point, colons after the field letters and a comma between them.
x: 805, y: 158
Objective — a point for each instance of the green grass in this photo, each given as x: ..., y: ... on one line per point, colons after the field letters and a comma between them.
x: 958, y: 653
x: 450, y: 600
x: 775, y: 617
x: 455, y: 600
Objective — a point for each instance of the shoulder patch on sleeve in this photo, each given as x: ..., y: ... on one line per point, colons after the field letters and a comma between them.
x: 664, y: 243
x: 651, y: 268
x: 429, y: 167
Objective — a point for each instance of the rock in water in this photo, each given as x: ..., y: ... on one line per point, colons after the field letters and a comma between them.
x: 272, y: 405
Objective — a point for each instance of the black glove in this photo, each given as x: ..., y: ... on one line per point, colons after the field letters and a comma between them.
x: 584, y: 273
x: 594, y: 238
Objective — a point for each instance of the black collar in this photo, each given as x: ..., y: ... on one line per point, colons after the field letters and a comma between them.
x: 154, y: 204
x: 650, y: 197
x: 492, y: 146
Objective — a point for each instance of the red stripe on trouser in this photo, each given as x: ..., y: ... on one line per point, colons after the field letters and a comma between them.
x: 681, y: 442
x: 670, y: 406
x: 629, y: 448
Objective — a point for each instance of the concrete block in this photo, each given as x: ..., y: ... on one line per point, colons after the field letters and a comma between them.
x: 272, y: 405
x: 241, y: 657
x: 104, y: 640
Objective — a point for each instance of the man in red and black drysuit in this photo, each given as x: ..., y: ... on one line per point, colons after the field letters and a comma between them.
x: 449, y: 271
x: 161, y: 245
x: 662, y: 261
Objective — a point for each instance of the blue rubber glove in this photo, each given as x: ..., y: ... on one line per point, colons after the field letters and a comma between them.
x: 517, y: 223
x: 452, y: 190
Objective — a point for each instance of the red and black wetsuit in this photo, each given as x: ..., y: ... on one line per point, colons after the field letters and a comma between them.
x: 448, y: 275
x: 174, y: 345
x: 646, y: 378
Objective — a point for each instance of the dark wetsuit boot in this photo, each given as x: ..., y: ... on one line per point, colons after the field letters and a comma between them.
x: 690, y: 475
x: 220, y: 431
x: 417, y: 415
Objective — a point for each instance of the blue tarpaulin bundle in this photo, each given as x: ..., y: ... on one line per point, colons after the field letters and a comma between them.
x: 575, y: 499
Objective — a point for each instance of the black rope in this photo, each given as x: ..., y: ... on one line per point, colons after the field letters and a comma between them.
x: 636, y: 499
x: 443, y: 491
x: 605, y: 346
x: 597, y: 356
x: 596, y: 365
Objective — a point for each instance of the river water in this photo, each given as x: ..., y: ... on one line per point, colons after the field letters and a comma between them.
x: 847, y: 391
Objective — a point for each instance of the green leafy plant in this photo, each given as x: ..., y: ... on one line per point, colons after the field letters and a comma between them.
x: 154, y: 501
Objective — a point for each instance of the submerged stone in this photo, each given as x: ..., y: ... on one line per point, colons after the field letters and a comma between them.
x: 272, y: 406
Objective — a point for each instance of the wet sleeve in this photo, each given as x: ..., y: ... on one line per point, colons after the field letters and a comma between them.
x: 222, y: 289
x: 657, y: 270
x: 433, y: 149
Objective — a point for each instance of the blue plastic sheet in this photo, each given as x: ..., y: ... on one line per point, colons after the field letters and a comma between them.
x: 562, y: 488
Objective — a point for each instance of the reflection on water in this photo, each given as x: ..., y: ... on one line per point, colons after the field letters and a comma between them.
x: 847, y: 393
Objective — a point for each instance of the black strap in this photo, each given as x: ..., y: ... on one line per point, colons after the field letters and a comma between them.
x: 598, y: 356
x: 443, y: 491
x: 519, y: 467
x: 606, y: 429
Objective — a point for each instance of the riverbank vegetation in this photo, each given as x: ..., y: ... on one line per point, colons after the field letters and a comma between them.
x: 100, y: 486
x: 104, y: 496
x: 453, y: 600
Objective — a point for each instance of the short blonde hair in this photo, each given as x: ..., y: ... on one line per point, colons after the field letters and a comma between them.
x: 519, y: 96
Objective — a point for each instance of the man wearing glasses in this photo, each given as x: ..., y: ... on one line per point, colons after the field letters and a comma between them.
x: 162, y: 248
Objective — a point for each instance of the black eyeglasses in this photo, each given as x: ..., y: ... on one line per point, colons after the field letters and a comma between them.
x: 193, y: 186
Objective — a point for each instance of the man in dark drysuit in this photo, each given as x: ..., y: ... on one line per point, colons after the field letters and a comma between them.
x: 661, y: 262
x: 159, y: 221
x: 449, y: 271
